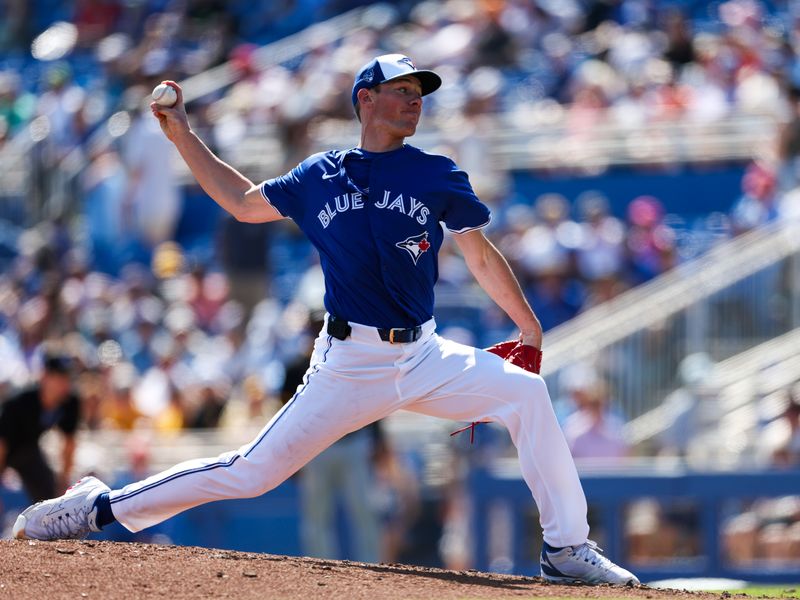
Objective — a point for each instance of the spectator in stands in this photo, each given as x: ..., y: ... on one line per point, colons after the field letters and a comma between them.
x: 172, y: 418
x: 650, y: 243
x: 16, y: 105
x: 683, y: 410
x: 95, y: 19
x: 343, y: 472
x: 600, y: 253
x: 494, y: 44
x: 250, y: 407
x: 14, y: 24
x: 243, y: 249
x: 762, y: 531
x: 211, y: 403
x: 59, y: 103
x: 26, y: 415
x: 788, y: 145
x: 740, y: 537
x: 546, y: 257
x: 138, y: 343
x: 30, y: 327
x: 680, y: 49
x: 396, y: 495
x: 104, y: 183
x: 593, y: 432
x: 573, y: 380
x: 757, y: 205
x: 785, y: 434
x: 92, y: 394
x: 120, y: 411
x: 152, y: 201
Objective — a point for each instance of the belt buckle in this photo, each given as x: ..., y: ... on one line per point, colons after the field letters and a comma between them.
x: 391, y: 334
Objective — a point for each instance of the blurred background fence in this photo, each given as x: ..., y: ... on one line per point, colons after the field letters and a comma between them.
x: 741, y: 293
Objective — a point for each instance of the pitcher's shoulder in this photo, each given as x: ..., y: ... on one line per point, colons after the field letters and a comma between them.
x: 429, y: 159
x: 327, y: 157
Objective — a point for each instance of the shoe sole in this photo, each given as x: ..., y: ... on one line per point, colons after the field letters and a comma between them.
x: 564, y: 580
x: 573, y: 581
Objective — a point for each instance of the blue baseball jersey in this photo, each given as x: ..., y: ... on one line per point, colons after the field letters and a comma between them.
x: 377, y: 224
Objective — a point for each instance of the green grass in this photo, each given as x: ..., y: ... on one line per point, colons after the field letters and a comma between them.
x: 762, y: 591
x: 788, y: 590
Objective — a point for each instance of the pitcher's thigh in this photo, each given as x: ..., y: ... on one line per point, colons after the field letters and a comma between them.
x: 326, y: 410
x: 464, y: 383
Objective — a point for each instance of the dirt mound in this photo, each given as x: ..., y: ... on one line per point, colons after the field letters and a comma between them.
x: 114, y: 571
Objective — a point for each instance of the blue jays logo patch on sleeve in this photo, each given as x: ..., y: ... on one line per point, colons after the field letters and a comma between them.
x: 415, y: 245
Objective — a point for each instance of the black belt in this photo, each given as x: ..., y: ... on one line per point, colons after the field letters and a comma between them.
x: 399, y: 335
x: 396, y: 335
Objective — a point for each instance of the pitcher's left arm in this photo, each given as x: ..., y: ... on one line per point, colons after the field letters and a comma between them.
x: 492, y: 272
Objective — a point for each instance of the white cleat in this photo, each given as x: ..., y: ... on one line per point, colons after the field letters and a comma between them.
x: 582, y: 564
x: 71, y: 516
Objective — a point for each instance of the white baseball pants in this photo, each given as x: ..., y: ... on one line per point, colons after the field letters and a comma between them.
x: 356, y: 381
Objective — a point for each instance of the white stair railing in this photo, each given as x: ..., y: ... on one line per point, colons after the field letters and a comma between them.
x: 741, y: 293
x: 739, y: 391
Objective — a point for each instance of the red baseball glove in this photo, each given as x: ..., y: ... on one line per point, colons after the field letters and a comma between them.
x: 517, y: 353
x: 526, y: 357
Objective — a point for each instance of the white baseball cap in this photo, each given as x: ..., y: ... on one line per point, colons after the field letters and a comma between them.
x: 392, y: 66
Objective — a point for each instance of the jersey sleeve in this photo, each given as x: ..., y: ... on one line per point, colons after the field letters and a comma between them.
x: 464, y: 211
x: 285, y: 193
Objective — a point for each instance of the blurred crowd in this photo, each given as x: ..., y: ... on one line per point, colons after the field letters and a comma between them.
x: 630, y: 61
x: 194, y: 332
x: 623, y: 61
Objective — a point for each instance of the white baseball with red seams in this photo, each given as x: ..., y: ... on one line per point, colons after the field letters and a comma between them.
x: 165, y: 95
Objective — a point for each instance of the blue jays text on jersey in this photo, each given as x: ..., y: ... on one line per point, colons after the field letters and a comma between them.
x: 378, y: 241
x: 355, y: 201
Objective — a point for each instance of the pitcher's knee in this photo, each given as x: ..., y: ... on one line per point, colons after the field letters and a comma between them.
x: 258, y: 487
x: 256, y: 480
x: 524, y: 388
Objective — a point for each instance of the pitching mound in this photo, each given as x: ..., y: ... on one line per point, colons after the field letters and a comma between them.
x: 114, y: 571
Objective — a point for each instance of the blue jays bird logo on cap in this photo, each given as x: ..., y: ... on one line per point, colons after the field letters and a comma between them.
x: 415, y: 245
x: 407, y: 61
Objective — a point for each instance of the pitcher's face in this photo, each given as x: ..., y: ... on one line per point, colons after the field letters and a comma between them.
x: 398, y: 105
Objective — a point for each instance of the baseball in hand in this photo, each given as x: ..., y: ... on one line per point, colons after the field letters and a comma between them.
x: 165, y: 95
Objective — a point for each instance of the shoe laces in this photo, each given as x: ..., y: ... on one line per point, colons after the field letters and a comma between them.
x: 74, y: 485
x: 72, y: 524
x: 590, y: 552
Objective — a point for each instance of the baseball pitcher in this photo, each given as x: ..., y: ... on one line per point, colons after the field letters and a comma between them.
x: 376, y: 215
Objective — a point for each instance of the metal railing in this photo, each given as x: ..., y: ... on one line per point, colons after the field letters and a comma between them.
x: 534, y: 143
x: 736, y: 399
x: 741, y: 293
x: 610, y: 495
